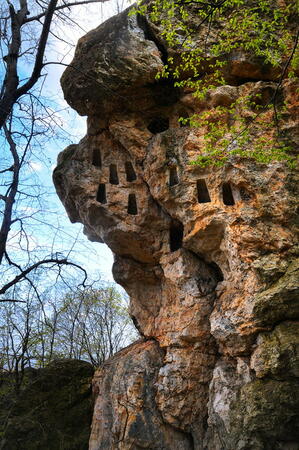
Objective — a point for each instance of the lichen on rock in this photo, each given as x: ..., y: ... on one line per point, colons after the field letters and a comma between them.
x: 207, y: 254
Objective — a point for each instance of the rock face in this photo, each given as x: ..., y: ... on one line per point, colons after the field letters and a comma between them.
x: 207, y: 255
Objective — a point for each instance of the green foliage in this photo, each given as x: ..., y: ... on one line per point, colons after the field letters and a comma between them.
x: 228, y: 133
x: 203, y: 34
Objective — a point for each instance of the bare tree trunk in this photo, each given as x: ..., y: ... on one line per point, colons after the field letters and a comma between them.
x: 10, y: 195
x: 11, y: 80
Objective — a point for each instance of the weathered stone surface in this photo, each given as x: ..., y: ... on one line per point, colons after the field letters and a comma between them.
x: 119, y: 61
x: 277, y: 353
x: 126, y: 415
x: 207, y: 255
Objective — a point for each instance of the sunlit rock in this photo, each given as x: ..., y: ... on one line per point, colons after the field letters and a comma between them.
x: 207, y: 254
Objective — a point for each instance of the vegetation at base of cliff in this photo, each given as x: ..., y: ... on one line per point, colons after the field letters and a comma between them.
x: 52, y: 411
x: 89, y: 324
x: 264, y: 30
x: 49, y: 348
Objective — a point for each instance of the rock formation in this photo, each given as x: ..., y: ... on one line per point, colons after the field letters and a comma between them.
x: 52, y: 411
x: 207, y: 255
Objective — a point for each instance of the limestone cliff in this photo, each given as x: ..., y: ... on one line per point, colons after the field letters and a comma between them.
x: 207, y: 255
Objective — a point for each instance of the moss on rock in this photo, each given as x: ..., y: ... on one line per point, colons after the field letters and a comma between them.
x: 280, y: 301
x: 53, y: 410
x: 277, y: 354
x: 265, y: 415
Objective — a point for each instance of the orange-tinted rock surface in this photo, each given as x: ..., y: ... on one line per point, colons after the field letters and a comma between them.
x: 207, y: 255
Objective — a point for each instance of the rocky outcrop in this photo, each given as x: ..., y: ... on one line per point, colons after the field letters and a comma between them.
x: 207, y: 254
x: 53, y: 409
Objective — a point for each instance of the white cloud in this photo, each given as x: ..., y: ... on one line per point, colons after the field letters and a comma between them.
x: 35, y: 166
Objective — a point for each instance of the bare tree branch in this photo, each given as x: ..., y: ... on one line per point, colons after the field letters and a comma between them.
x: 11, y: 80
x: 11, y: 90
x: 11, y: 300
x: 25, y: 272
x: 64, y: 6
x: 40, y: 52
x: 10, y: 196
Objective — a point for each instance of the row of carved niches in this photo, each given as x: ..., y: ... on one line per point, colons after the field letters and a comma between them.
x: 113, y: 169
x: 229, y: 195
x: 131, y: 205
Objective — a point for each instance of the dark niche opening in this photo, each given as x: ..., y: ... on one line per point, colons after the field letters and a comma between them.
x: 132, y: 205
x: 173, y: 176
x: 158, y: 125
x: 217, y: 271
x: 113, y: 177
x: 130, y: 172
x: 245, y: 195
x: 164, y: 93
x: 101, y: 194
x: 96, y: 157
x: 227, y: 194
x: 203, y: 195
x: 176, y: 234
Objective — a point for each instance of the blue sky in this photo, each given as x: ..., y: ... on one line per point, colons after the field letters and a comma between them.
x: 51, y: 228
x: 91, y: 16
